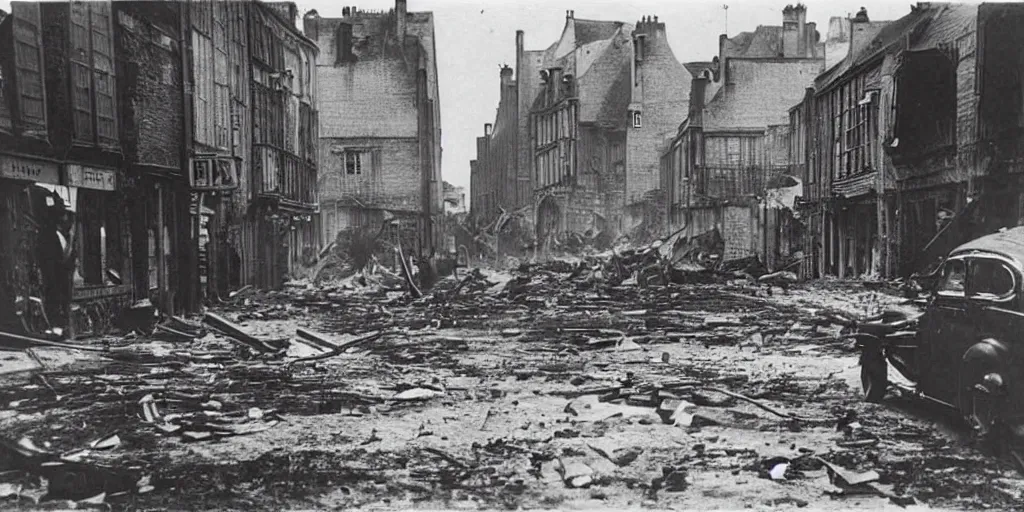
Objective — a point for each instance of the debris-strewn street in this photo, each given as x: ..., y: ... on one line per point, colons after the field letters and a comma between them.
x: 546, y: 387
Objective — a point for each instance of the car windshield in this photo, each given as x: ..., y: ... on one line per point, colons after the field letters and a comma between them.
x: 954, y: 275
x: 989, y: 279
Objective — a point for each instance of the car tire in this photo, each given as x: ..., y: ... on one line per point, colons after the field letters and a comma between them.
x: 874, y: 377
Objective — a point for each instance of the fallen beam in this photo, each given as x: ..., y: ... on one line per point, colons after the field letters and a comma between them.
x: 15, y: 342
x: 235, y: 332
x: 341, y: 348
x: 315, y: 339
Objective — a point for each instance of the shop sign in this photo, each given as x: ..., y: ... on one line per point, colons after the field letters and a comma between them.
x: 91, y: 177
x: 40, y: 171
x: 213, y: 173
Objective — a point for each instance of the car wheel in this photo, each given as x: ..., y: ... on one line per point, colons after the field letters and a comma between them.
x: 980, y: 394
x: 982, y: 389
x: 874, y: 376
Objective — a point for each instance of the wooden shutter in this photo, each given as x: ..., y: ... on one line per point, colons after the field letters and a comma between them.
x: 28, y: 58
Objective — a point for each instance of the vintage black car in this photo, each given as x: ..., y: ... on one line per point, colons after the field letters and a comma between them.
x: 967, y: 350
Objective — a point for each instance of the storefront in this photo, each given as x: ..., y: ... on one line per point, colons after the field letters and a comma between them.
x: 36, y: 191
x: 212, y: 180
x: 21, y: 211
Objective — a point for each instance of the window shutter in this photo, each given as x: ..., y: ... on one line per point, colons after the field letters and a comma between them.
x: 28, y: 59
x: 376, y: 168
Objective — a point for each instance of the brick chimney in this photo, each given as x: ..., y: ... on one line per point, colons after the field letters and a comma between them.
x: 860, y: 32
x: 698, y: 92
x: 506, y: 81
x: 311, y: 24
x: 794, y: 32
x: 519, y: 54
x: 400, y: 11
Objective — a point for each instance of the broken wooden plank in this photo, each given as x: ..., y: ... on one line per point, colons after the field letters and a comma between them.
x: 316, y: 339
x: 235, y: 332
x: 341, y: 348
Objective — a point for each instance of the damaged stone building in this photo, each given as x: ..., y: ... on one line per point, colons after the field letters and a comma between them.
x: 188, y: 126
x: 912, y: 142
x: 578, y: 129
x: 380, y: 127
x: 733, y: 147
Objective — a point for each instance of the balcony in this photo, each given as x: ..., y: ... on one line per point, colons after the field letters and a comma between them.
x: 278, y: 174
x: 729, y: 183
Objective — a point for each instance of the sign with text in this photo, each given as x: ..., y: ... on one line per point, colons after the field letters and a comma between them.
x: 213, y: 173
x: 91, y: 177
x: 41, y: 171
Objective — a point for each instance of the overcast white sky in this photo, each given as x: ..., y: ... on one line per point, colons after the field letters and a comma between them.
x: 475, y: 38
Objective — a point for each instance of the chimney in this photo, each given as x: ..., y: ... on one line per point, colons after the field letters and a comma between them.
x: 790, y: 32
x: 519, y: 55
x: 803, y: 48
x: 506, y: 81
x: 311, y: 25
x: 400, y: 10
x: 860, y: 33
x: 346, y: 12
x: 698, y: 89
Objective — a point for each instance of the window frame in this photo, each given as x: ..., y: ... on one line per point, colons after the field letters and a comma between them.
x: 945, y: 277
x: 1006, y: 265
x: 83, y: 16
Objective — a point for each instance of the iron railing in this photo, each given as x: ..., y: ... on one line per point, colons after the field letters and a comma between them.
x: 732, y: 183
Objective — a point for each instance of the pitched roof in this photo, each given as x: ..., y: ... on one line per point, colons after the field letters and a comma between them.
x: 756, y: 104
x: 763, y: 42
x: 601, y: 65
x: 588, y: 31
x: 930, y: 26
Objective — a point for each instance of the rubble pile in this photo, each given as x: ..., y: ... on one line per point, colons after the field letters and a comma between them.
x: 616, y: 378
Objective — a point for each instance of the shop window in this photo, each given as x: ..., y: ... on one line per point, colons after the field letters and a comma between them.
x: 99, y: 233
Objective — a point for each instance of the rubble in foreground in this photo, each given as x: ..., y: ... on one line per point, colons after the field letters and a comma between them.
x: 569, y: 385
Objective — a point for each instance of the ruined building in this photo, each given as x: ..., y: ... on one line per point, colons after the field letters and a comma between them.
x: 185, y: 150
x: 578, y: 128
x: 913, y: 143
x: 380, y: 127
x: 733, y: 146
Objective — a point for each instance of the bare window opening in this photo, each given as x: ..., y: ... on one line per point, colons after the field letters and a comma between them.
x: 637, y: 120
x: 353, y: 162
x: 926, y: 99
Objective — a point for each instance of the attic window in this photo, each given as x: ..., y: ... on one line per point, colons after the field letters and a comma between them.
x: 636, y: 119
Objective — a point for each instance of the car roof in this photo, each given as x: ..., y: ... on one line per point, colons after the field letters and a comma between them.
x: 1009, y: 243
